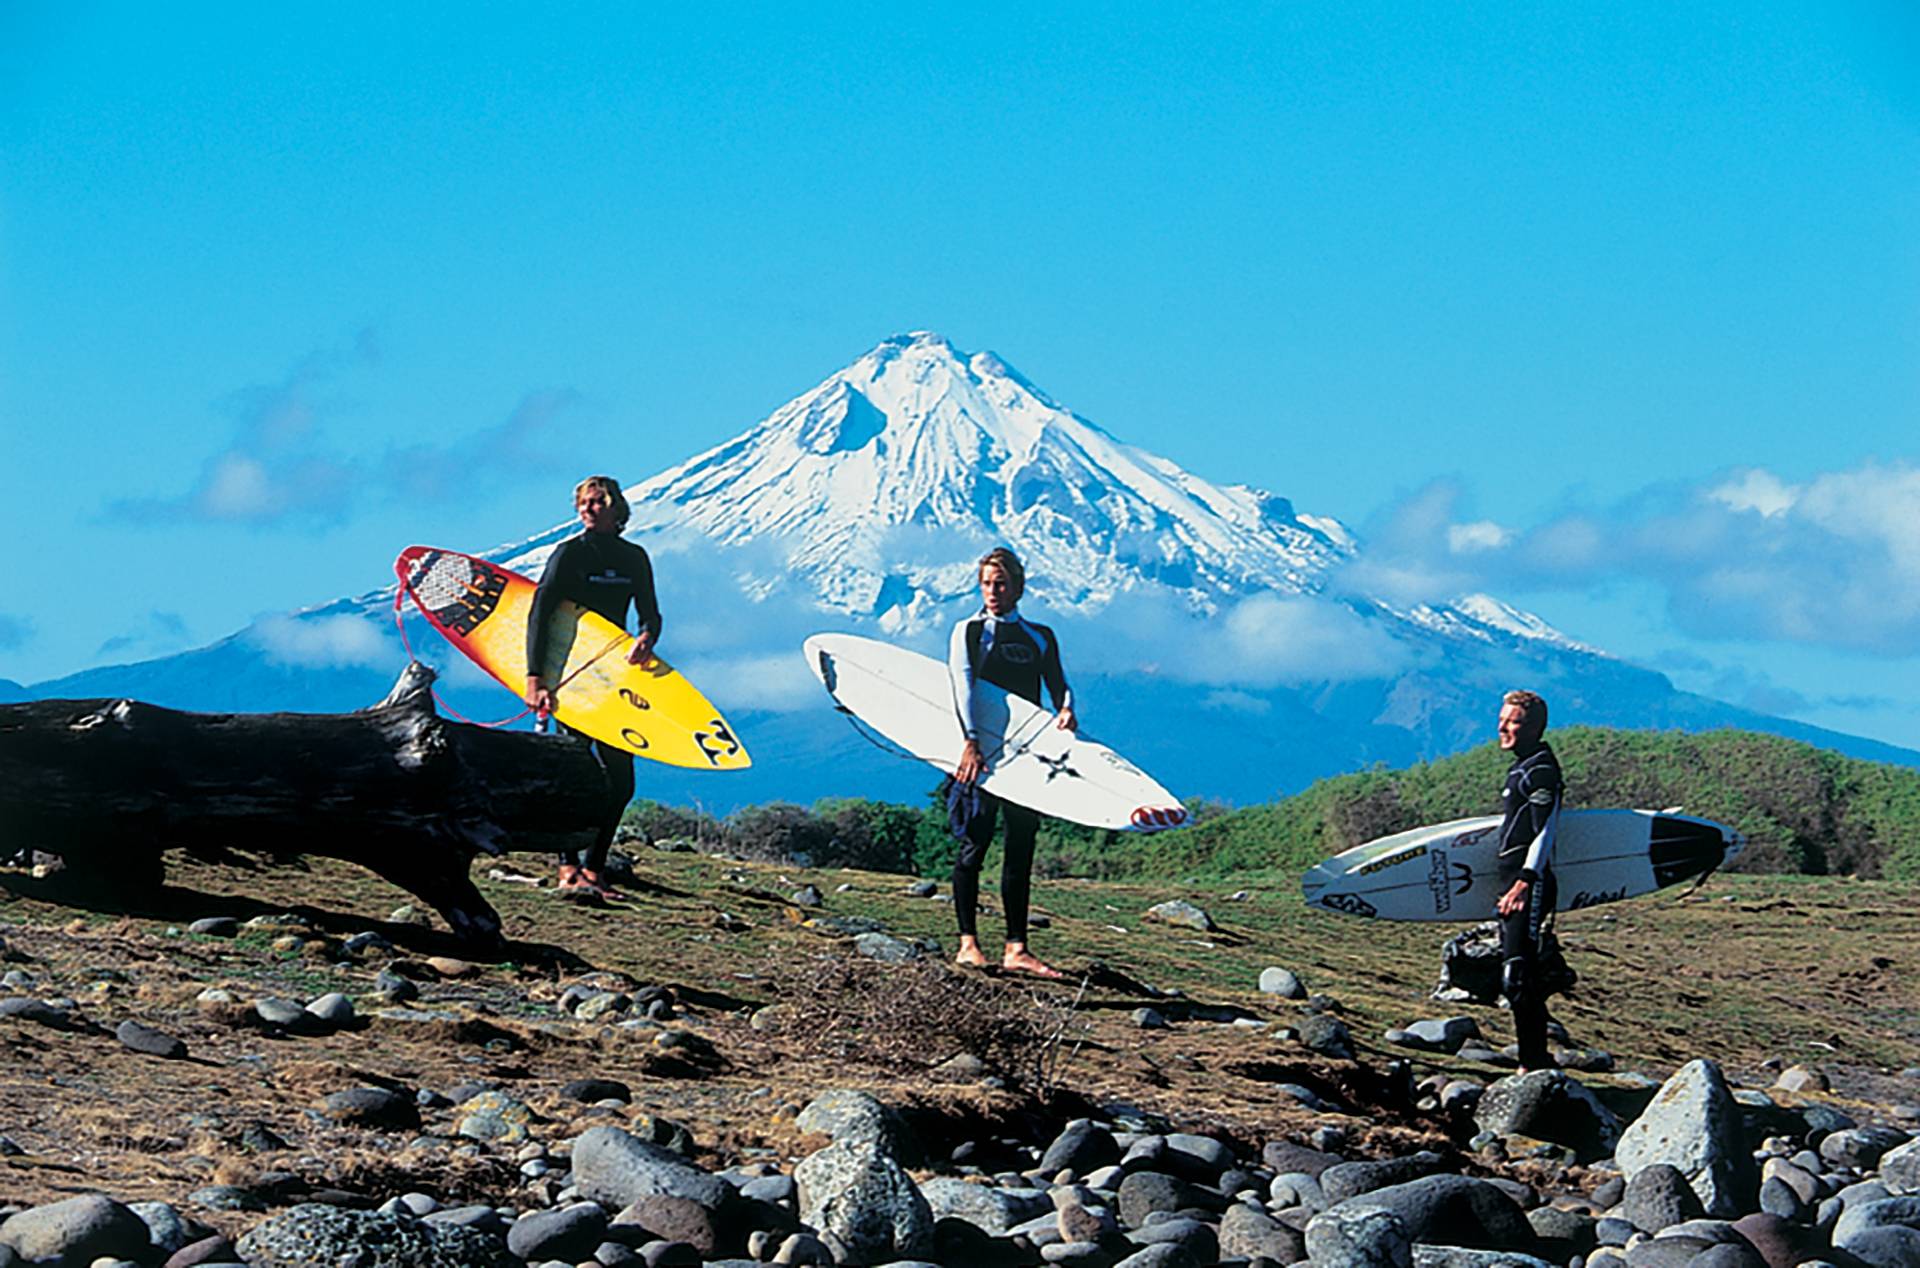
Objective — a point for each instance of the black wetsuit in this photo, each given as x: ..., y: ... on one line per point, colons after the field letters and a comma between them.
x: 1530, y: 806
x: 1020, y: 657
x: 607, y: 574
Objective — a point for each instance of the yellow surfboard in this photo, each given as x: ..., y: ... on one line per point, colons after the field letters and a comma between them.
x: 650, y: 710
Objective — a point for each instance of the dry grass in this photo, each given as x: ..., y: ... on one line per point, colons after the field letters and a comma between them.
x: 910, y: 1018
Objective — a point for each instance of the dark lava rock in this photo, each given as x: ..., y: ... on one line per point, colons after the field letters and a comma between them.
x: 1660, y: 1196
x: 1282, y: 1156
x: 1347, y: 1179
x: 373, y: 1107
x: 1728, y: 1255
x: 1326, y: 1035
x: 1145, y: 1192
x: 1246, y: 1233
x: 1083, y: 1146
x: 148, y: 1040
x: 76, y: 1231
x: 674, y: 1219
x: 571, y: 1233
x: 214, y: 1249
x: 313, y: 1234
x: 1453, y: 1210
x: 588, y: 1091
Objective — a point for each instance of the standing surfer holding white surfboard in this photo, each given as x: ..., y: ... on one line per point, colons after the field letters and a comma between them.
x: 995, y: 645
x: 1530, y: 812
x: 605, y: 573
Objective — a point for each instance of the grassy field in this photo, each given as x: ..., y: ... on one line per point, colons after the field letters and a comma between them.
x: 1803, y: 968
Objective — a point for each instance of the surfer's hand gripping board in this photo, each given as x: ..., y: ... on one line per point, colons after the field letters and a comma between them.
x: 1028, y: 755
x: 602, y: 681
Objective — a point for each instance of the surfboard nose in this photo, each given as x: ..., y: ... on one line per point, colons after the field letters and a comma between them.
x: 1681, y: 847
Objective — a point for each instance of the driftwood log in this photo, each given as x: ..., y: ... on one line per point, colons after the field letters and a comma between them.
x: 396, y: 788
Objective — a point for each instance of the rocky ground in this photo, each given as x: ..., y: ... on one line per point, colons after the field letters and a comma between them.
x: 749, y: 1063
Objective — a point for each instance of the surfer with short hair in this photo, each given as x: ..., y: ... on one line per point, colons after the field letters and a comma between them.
x: 1530, y: 809
x: 605, y: 573
x: 996, y: 645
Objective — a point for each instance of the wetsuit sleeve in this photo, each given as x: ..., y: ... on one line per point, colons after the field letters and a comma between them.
x: 1053, y: 675
x: 645, y: 605
x: 555, y: 582
x: 960, y: 679
x: 1542, y: 814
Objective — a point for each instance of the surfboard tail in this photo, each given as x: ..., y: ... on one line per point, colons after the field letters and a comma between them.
x: 1158, y: 818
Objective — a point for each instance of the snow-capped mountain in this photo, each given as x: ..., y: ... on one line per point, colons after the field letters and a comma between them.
x: 884, y: 483
x: 863, y: 503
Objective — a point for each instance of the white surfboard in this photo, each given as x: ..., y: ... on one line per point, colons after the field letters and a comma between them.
x: 1449, y: 871
x: 1030, y: 761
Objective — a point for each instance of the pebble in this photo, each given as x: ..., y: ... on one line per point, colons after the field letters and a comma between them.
x: 215, y: 926
x: 154, y: 1043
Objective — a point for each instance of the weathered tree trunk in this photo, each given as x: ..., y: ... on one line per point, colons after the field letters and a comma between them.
x: 395, y: 788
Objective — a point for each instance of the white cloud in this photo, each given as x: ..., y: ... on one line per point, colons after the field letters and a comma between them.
x: 1756, y: 490
x: 1833, y: 561
x: 1465, y: 539
x: 324, y: 641
x: 777, y: 682
x: 236, y: 488
x: 1233, y: 701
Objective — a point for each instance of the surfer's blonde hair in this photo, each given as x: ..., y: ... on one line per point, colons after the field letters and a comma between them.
x: 616, y: 500
x: 1532, y: 707
x: 1009, y: 563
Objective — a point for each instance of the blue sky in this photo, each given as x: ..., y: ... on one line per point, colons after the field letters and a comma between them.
x: 1628, y: 293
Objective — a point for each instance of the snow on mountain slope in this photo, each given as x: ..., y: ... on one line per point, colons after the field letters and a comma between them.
x: 883, y: 483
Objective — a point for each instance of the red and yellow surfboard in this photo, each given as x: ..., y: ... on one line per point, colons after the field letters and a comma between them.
x: 650, y: 710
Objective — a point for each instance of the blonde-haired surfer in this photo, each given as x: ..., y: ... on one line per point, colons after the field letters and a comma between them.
x: 997, y: 646
x: 603, y: 572
x: 1530, y: 809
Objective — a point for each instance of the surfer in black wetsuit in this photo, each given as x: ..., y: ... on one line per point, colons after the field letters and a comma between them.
x: 1530, y: 806
x: 996, y: 646
x: 605, y: 573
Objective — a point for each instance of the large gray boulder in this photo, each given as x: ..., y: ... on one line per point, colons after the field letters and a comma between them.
x: 848, y: 1116
x: 312, y: 1234
x: 616, y: 1168
x: 1452, y: 1210
x: 77, y: 1231
x: 1358, y: 1237
x: 1693, y: 1124
x: 859, y: 1194
x: 1548, y: 1105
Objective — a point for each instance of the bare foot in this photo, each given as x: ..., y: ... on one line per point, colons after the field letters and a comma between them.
x: 970, y: 954
x: 1024, y: 961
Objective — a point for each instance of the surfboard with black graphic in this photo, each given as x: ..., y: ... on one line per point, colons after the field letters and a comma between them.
x: 1449, y: 871
x: 482, y: 609
x: 1031, y: 762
